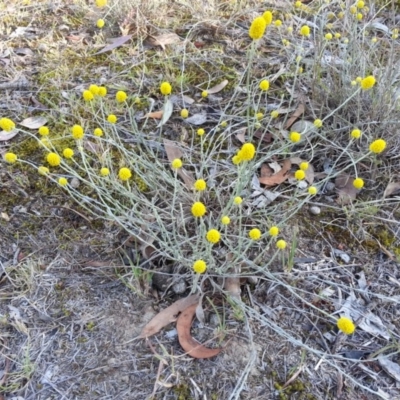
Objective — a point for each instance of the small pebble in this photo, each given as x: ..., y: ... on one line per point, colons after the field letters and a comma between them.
x: 179, y: 287
x: 315, y: 210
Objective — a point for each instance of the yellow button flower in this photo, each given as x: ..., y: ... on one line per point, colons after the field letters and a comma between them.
x: 198, y: 209
x: 355, y: 134
x: 120, y: 96
x: 295, y: 137
x: 274, y: 231
x: 68, y: 153
x: 281, y: 244
x: 225, y: 220
x: 94, y: 89
x: 87, y: 95
x: 63, y: 182
x: 305, y: 30
x: 264, y: 85
x: 11, y: 158
x: 43, y: 170
x: 184, y: 113
x: 77, y: 132
x: 377, y: 146
x: 98, y: 132
x: 200, y: 185
x: 213, y: 236
x: 346, y: 325
x: 112, y: 119
x: 124, y: 174
x: 43, y: 131
x: 104, y: 171
x: 318, y: 123
x: 53, y: 159
x: 7, y: 124
x: 102, y: 91
x: 201, y: 132
x: 199, y: 267
x: 257, y: 28
x: 368, y: 82
x: 267, y: 17
x: 165, y: 88
x: 358, y: 183
x: 100, y: 23
x: 255, y: 234
x: 312, y: 190
x: 176, y: 164
x: 247, y: 152
x: 238, y: 200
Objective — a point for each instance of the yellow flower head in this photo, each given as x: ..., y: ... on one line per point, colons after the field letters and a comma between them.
x: 87, y: 95
x: 120, y: 96
x: 225, y: 220
x: 338, y: 35
x: 359, y: 16
x: 264, y: 85
x: 77, y: 132
x: 268, y: 17
x: 198, y: 209
x: 177, y: 163
x: 312, y: 190
x: 238, y: 200
x: 204, y: 93
x: 368, y: 82
x: 102, y: 91
x: 199, y: 267
x: 200, y: 185
x: 165, y: 88
x: 259, y: 116
x: 43, y: 170
x: 281, y: 244
x: 94, y: 89
x: 7, y: 124
x: 360, y: 4
x: 255, y: 234
x: 124, y: 174
x: 358, y: 183
x: 44, y: 131
x: 11, y: 158
x: 274, y: 114
x: 247, y: 152
x: 112, y: 119
x: 353, y: 9
x: 224, y: 124
x: 304, y: 166
x: 318, y: 123
x: 300, y: 174
x: 101, y: 3
x: 213, y: 236
x: 346, y: 325
x: 305, y: 30
x: 274, y: 231
x: 355, y: 134
x: 63, y: 182
x: 100, y: 23
x: 104, y: 171
x: 377, y: 146
x: 328, y: 36
x: 53, y: 159
x: 278, y: 23
x: 358, y: 79
x: 68, y: 153
x: 295, y: 137
x: 98, y: 132
x: 257, y: 28
x: 298, y: 4
x: 236, y: 159
x: 184, y: 113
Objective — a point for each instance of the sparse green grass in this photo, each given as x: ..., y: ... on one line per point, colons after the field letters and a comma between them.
x: 154, y: 205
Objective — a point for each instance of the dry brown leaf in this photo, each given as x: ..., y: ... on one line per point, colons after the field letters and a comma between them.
x: 163, y: 40
x: 174, y: 152
x: 33, y: 122
x: 391, y: 188
x: 279, y: 177
x: 168, y: 315
x: 265, y: 171
x: 240, y: 135
x: 218, y: 88
x: 232, y: 286
x: 119, y: 41
x: 296, y: 115
x: 345, y: 190
x: 264, y: 136
x: 8, y: 135
x: 190, y: 345
x: 154, y: 114
x: 309, y: 171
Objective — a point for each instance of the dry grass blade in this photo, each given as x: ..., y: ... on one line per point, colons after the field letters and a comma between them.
x: 168, y: 315
x: 191, y: 346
